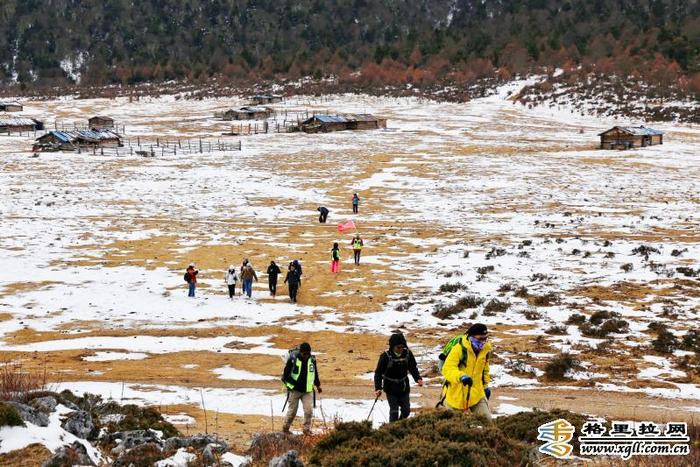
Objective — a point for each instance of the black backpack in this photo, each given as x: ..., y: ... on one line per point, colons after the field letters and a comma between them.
x: 187, y: 277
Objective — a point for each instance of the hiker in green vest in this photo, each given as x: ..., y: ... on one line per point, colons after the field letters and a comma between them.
x: 357, y: 248
x: 300, y: 377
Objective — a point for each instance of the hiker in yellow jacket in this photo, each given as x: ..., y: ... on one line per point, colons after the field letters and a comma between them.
x: 466, y: 372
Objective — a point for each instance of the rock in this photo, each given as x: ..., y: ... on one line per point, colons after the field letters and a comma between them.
x: 142, y: 455
x: 130, y: 439
x: 196, y: 441
x: 75, y: 454
x: 208, y: 454
x: 45, y: 404
x: 30, y: 414
x: 112, y: 418
x: 80, y: 424
x: 288, y: 459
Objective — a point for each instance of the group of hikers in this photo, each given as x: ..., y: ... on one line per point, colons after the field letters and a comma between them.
x: 463, y: 363
x: 246, y: 275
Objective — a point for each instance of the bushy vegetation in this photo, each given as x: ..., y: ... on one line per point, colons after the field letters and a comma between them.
x: 441, y: 437
x: 495, y: 306
x: 9, y: 416
x: 560, y: 365
x: 443, y: 311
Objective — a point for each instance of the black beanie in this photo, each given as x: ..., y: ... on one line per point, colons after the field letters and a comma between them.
x: 396, y: 339
x: 477, y: 329
x: 305, y: 347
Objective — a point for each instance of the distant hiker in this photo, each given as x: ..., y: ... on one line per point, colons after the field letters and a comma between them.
x: 357, y: 244
x: 243, y: 264
x: 391, y: 376
x: 355, y: 203
x: 466, y: 372
x: 297, y: 266
x: 324, y: 214
x: 292, y: 280
x: 231, y: 279
x: 300, y: 377
x: 335, y: 258
x: 247, y: 276
x: 191, y: 279
x: 272, y: 271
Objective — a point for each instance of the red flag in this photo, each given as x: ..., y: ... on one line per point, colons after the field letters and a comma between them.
x: 347, y: 225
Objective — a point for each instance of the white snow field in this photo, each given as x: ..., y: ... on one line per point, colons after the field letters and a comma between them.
x: 487, y: 196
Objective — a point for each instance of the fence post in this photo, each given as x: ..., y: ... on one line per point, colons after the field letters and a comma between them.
x: 200, y: 145
x: 157, y: 142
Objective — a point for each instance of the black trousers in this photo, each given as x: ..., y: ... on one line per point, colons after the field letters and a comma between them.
x: 293, y: 289
x: 398, y: 402
x: 355, y: 208
x: 322, y: 218
x: 357, y: 255
x: 231, y: 290
x: 272, y: 283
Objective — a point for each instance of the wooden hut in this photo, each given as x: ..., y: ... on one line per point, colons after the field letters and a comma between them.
x: 100, y: 123
x: 326, y: 123
x: 19, y: 124
x: 6, y: 106
x: 626, y: 137
x: 72, y: 140
x: 261, y: 99
x: 248, y: 113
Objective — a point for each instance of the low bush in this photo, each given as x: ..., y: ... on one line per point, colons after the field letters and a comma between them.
x: 691, y: 341
x: 495, y: 252
x: 532, y: 315
x: 9, y: 416
x: 688, y: 272
x: 439, y: 437
x: 556, y: 330
x: 645, y: 250
x: 142, y: 418
x: 601, y: 315
x: 548, y: 299
x: 523, y: 426
x: 483, y: 270
x: 521, y: 292
x: 470, y: 301
x: 495, y: 306
x: 450, y: 287
x: 610, y: 326
x: 627, y: 267
x: 665, y: 342
x: 576, y: 319
x: 560, y: 365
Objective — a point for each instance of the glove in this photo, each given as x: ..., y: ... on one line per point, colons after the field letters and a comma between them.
x: 488, y: 393
x: 466, y: 380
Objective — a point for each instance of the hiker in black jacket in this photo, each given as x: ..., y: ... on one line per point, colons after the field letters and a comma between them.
x: 391, y: 376
x: 324, y: 214
x: 272, y: 272
x: 292, y: 280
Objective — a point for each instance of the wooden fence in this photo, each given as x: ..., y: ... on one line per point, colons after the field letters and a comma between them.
x: 163, y: 147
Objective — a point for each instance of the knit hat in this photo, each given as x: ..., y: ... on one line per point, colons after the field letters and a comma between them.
x: 396, y: 339
x: 231, y: 267
x: 477, y: 329
x: 305, y: 347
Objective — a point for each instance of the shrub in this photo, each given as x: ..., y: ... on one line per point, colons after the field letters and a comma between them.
x: 142, y: 418
x: 521, y: 292
x: 439, y: 437
x: 609, y: 255
x: 507, y: 287
x: 496, y: 306
x: 449, y: 287
x: 560, y: 365
x: 691, y: 341
x: 657, y: 327
x: 547, y: 299
x: 15, y: 382
x: 665, y: 342
x: 495, y: 252
x: 556, y: 330
x: 645, y: 250
x: 611, y: 326
x: 601, y: 315
x: 576, y: 319
x: 627, y: 267
x: 9, y: 416
x: 532, y: 315
x: 483, y: 270
x: 688, y: 272
x: 523, y: 426
x: 676, y: 252
x: 470, y: 301
x: 538, y: 276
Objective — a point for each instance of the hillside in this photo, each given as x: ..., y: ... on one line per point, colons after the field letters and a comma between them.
x: 362, y: 43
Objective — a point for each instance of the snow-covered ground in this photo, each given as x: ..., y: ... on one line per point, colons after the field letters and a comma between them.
x: 93, y: 247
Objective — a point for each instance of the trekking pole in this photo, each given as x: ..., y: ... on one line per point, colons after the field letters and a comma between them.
x: 466, y: 403
x: 314, y: 391
x: 285, y: 401
x: 372, y: 409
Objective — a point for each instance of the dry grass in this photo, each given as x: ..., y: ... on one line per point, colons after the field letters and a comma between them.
x: 31, y: 456
x: 16, y: 381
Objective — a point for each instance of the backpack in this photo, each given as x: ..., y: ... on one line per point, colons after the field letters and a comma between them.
x: 187, y: 277
x: 450, y: 345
